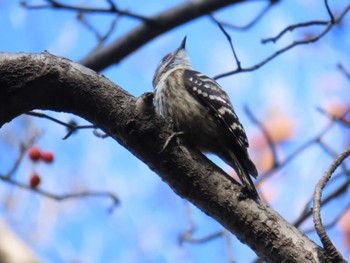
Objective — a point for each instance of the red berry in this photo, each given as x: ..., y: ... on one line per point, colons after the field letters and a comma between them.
x: 34, y: 153
x: 47, y: 157
x: 34, y: 180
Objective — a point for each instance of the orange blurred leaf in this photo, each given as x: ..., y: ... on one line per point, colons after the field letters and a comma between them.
x: 344, y: 225
x: 280, y: 128
x: 335, y: 108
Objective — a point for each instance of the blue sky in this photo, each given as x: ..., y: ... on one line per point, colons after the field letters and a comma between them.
x: 147, y: 224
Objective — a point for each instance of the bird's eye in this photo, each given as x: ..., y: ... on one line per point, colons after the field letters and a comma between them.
x: 165, y: 58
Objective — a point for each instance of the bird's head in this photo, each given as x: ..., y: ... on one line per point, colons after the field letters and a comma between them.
x: 173, y: 60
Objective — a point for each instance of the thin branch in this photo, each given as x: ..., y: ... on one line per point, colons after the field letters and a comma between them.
x: 260, y: 15
x: 112, y: 9
x: 291, y: 28
x: 329, y: 11
x: 333, y: 222
x: 112, y: 4
x: 23, y: 148
x: 316, y: 140
x: 100, y: 38
x: 327, y: 147
x: 164, y: 21
x: 187, y: 235
x: 191, y: 228
x: 333, y: 117
x: 72, y: 127
x: 305, y: 24
x: 267, y: 136
x: 343, y: 70
x: 302, y: 148
x: 328, y: 27
x: 331, y: 196
x: 228, y: 246
x: 188, y: 238
x: 227, y: 35
x: 330, y: 152
x: 331, y: 250
x: 63, y: 197
x: 289, y: 158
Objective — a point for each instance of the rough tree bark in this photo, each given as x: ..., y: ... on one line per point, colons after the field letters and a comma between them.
x: 43, y: 81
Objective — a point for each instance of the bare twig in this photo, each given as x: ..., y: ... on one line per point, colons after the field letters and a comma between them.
x: 251, y: 23
x: 291, y: 28
x: 187, y: 235
x: 302, y: 148
x: 23, y: 148
x: 333, y: 222
x: 344, y: 71
x: 329, y: 11
x: 331, y: 250
x: 227, y: 35
x: 191, y: 228
x: 145, y: 32
x: 305, y: 24
x: 63, y: 197
x: 188, y: 238
x: 228, y: 245
x: 112, y: 9
x: 112, y: 4
x: 336, y: 192
x: 267, y: 136
x: 317, y: 140
x: 289, y: 158
x: 100, y: 38
x: 330, y: 152
x: 333, y: 117
x: 329, y: 25
x: 71, y: 126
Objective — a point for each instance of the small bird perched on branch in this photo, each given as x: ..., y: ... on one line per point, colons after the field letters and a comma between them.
x: 202, y: 111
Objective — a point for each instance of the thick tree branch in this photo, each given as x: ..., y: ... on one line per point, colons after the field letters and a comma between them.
x: 43, y: 81
x: 162, y: 22
x: 332, y: 252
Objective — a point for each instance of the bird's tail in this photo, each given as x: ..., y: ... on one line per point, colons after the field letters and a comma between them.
x: 244, y: 170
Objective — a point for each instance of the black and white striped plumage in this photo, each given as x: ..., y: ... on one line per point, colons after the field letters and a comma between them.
x: 200, y: 108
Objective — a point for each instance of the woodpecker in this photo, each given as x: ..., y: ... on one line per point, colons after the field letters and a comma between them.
x: 200, y: 109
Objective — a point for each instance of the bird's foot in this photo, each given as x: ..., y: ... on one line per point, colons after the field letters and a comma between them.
x: 170, y: 138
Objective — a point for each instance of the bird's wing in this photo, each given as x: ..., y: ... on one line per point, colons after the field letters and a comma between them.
x: 213, y: 97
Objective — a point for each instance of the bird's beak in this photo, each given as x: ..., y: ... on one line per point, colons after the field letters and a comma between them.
x: 183, y: 44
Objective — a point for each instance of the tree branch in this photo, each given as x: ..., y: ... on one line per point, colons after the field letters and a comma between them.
x: 162, y: 22
x: 328, y: 26
x: 71, y: 126
x: 343, y: 70
x: 252, y: 22
x: 53, y: 4
x: 332, y: 252
x: 43, y: 81
x: 67, y: 196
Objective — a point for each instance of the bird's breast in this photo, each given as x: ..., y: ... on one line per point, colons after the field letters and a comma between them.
x: 172, y: 100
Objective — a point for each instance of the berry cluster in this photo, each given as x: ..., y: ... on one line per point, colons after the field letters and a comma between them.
x: 36, y: 155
